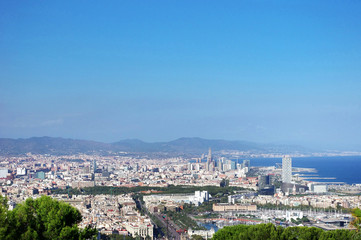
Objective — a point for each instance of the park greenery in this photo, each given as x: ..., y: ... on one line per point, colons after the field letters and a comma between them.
x: 42, y: 219
x: 171, y: 189
x: 271, y: 232
x: 197, y: 237
x: 183, y: 220
x: 205, y: 207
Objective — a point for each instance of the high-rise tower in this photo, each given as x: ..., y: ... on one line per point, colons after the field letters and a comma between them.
x: 209, y: 156
x: 209, y: 164
x: 94, y: 166
x: 286, y: 169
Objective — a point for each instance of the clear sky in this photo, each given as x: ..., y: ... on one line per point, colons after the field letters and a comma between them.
x: 263, y: 71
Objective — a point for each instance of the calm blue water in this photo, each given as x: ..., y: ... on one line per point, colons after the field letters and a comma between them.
x: 344, y: 169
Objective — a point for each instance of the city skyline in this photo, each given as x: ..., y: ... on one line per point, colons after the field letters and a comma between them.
x: 284, y: 72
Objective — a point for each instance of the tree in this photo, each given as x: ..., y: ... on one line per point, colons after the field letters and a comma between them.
x: 43, y: 218
x: 270, y: 232
x: 3, y: 213
x: 267, y: 231
x: 306, y: 233
x: 230, y: 232
x: 338, y: 234
x: 356, y: 222
x: 258, y: 232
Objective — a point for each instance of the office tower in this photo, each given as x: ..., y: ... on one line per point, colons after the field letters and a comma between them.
x: 209, y: 156
x: 219, y: 164
x: 94, y: 166
x: 286, y: 169
x: 233, y: 164
x: 246, y: 163
x: 94, y: 170
x: 190, y: 166
x: 209, y: 164
x: 136, y: 167
x: 264, y: 181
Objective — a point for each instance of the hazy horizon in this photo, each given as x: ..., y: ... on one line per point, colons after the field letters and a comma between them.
x: 318, y: 147
x: 266, y: 72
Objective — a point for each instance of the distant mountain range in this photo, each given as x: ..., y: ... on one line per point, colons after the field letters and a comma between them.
x: 62, y: 146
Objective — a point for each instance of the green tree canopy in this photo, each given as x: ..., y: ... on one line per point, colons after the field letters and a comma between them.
x: 356, y: 214
x: 271, y: 232
x: 197, y: 237
x: 42, y: 218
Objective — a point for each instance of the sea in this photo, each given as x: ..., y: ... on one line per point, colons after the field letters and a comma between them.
x: 346, y: 169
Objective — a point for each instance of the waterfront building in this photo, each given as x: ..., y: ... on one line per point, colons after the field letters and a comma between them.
x: 292, y: 188
x: 318, y: 188
x: 293, y: 215
x: 206, y: 234
x: 246, y: 164
x: 233, y: 164
x: 286, y: 169
x: 226, y: 207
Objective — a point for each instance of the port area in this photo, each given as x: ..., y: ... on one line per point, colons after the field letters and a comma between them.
x: 309, y: 175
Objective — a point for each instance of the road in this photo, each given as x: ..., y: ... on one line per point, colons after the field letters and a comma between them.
x: 169, y: 224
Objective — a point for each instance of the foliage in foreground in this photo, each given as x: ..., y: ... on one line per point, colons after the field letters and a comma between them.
x: 271, y: 232
x: 356, y: 222
x: 41, y: 219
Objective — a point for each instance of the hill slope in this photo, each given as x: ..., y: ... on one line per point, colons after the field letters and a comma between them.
x: 62, y: 146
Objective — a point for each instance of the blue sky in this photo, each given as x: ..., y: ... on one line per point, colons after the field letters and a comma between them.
x: 263, y: 71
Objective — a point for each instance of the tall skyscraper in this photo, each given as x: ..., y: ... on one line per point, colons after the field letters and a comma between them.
x: 210, y: 164
x: 286, y: 169
x: 94, y: 166
x: 209, y: 156
x: 246, y: 163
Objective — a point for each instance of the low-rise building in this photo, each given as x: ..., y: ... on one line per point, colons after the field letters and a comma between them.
x: 226, y: 207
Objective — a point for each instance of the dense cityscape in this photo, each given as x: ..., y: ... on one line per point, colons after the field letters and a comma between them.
x: 178, y: 198
x: 180, y: 120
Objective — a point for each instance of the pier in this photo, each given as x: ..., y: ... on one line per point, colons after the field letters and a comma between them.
x: 307, y: 178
